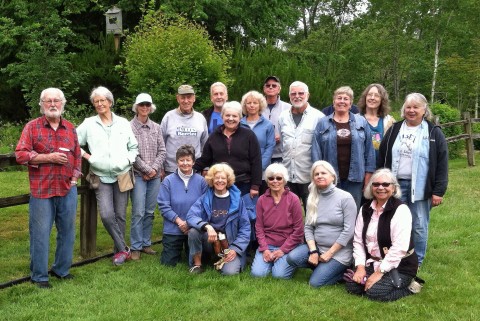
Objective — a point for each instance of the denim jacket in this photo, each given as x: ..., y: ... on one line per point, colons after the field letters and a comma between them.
x: 362, y: 159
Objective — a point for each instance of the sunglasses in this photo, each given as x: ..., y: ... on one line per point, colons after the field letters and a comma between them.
x: 384, y: 184
x: 145, y: 104
x: 277, y: 178
x: 271, y: 85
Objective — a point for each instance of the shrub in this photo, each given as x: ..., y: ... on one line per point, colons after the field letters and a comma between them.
x: 448, y: 114
x: 165, y: 53
x: 9, y: 136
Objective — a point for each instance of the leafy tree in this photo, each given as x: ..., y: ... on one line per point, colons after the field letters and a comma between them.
x: 165, y: 53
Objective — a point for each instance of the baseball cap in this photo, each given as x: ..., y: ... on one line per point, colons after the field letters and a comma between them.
x: 143, y: 98
x: 272, y: 77
x: 185, y: 90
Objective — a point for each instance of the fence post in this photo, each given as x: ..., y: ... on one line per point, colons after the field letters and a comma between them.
x: 467, y: 126
x: 88, y: 218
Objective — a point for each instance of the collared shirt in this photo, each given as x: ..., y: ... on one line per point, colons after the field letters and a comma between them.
x: 38, y: 137
x: 400, y: 229
x: 151, y: 148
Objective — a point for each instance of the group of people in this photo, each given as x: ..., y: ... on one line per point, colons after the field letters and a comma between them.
x: 238, y: 178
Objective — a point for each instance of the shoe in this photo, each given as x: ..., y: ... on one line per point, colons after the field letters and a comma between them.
x: 196, y: 269
x: 121, y: 257
x: 149, y: 250
x: 135, y: 255
x: 66, y: 277
x: 42, y: 284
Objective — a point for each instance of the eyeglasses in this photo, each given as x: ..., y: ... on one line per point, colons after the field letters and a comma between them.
x: 384, y: 184
x: 271, y: 85
x: 145, y: 104
x: 301, y: 94
x: 277, y: 178
x: 100, y: 101
x: 51, y: 101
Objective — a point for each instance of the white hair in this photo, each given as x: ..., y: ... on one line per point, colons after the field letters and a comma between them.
x: 312, y: 201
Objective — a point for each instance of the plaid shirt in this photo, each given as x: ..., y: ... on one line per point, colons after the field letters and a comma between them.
x: 49, y: 179
x: 151, y: 147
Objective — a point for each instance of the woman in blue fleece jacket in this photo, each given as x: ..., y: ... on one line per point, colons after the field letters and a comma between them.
x: 219, y: 212
x: 178, y: 192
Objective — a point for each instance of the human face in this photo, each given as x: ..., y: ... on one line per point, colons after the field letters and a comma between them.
x: 144, y: 109
x: 276, y: 183
x: 102, y: 105
x: 271, y: 88
x: 322, y: 178
x: 381, y: 193
x: 414, y: 113
x: 186, y: 103
x: 342, y: 103
x: 185, y: 164
x: 253, y: 106
x: 373, y: 99
x: 220, y: 182
x: 231, y: 119
x: 218, y: 97
x: 52, y: 106
x: 298, y: 97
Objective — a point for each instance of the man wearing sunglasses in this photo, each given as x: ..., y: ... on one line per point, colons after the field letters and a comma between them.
x: 275, y: 106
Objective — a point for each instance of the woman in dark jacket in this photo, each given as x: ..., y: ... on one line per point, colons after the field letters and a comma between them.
x: 383, y: 250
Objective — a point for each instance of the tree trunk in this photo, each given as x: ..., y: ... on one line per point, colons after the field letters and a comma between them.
x: 435, y: 69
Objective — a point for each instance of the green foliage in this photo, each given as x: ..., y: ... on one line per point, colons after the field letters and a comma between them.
x: 447, y: 114
x: 9, y: 136
x: 165, y: 53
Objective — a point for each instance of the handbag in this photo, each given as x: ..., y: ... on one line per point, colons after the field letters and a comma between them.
x: 126, y: 181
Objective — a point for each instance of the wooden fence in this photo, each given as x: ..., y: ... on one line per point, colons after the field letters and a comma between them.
x: 88, y: 202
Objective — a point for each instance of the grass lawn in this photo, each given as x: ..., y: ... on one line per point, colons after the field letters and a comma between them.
x: 144, y: 290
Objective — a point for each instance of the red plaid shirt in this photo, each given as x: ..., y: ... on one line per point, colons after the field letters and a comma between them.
x: 38, y: 137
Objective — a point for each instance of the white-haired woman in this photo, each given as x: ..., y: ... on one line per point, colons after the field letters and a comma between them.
x: 237, y: 146
x: 329, y: 227
x: 148, y: 167
x: 279, y: 225
x: 253, y: 104
x: 417, y: 153
x: 113, y: 149
x: 383, y: 249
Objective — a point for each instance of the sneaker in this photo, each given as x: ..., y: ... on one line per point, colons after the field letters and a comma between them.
x: 121, y: 257
x: 415, y: 286
x: 135, y: 255
x: 196, y: 269
x: 149, y: 250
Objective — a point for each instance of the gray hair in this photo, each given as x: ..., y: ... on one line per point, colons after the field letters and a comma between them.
x: 344, y: 90
x: 397, y: 192
x: 218, y: 83
x: 102, y: 91
x: 418, y: 98
x: 298, y: 84
x: 312, y: 201
x: 232, y: 105
x: 277, y: 168
x: 53, y: 91
x: 256, y: 95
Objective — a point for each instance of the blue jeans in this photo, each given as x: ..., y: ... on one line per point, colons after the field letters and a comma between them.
x: 420, y: 219
x: 279, y: 269
x: 42, y: 213
x: 354, y: 188
x: 324, y: 274
x: 112, y: 205
x: 198, y: 243
x: 144, y: 201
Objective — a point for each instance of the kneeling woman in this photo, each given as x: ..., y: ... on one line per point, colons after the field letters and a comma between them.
x: 329, y: 227
x: 384, y: 253
x: 219, y: 213
x: 279, y: 225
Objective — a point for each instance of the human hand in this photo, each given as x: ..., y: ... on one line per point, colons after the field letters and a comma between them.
x: 253, y: 193
x: 313, y: 259
x: 230, y: 256
x: 277, y: 254
x: 152, y: 174
x: 267, y: 256
x: 325, y: 257
x: 436, y: 200
x: 182, y: 225
x: 374, y: 278
x: 359, y: 275
x: 212, y: 235
x: 58, y: 158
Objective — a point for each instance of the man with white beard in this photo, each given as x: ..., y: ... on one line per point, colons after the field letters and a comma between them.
x: 49, y: 147
x: 296, y: 127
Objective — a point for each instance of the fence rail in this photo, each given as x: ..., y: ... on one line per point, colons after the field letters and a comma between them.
x: 88, y: 201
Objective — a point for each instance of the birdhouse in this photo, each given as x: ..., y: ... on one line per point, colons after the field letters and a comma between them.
x: 114, y: 21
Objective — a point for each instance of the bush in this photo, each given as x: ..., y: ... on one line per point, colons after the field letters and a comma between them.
x: 448, y: 114
x: 9, y: 136
x: 165, y: 53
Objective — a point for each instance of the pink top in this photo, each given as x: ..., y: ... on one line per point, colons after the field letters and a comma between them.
x: 400, y: 229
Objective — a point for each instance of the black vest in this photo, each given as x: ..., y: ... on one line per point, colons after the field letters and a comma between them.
x: 408, y: 265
